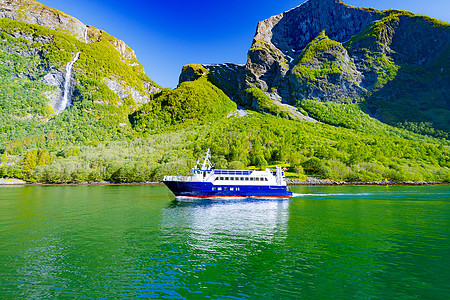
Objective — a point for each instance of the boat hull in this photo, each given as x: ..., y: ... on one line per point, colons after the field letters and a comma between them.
x: 205, y: 190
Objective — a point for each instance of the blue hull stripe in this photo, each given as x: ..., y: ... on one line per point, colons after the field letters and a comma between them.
x: 205, y: 189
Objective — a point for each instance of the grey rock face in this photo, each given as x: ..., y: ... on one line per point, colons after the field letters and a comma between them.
x: 33, y: 12
x: 30, y: 11
x: 279, y: 43
x: 56, y: 79
x: 326, y: 74
x: 151, y: 88
x: 226, y: 76
x: 297, y: 27
x: 123, y: 91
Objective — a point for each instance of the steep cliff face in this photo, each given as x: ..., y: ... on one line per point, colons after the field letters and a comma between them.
x: 280, y: 42
x: 405, y: 63
x: 226, y: 76
x: 325, y: 70
x: 33, y: 12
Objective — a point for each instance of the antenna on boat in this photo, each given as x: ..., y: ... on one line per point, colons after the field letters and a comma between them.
x: 207, y: 163
x: 196, y: 164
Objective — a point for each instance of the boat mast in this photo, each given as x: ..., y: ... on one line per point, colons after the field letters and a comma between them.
x: 207, y: 163
x: 279, y: 176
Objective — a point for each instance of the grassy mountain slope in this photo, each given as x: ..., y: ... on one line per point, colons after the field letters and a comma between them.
x: 31, y: 52
x: 192, y: 100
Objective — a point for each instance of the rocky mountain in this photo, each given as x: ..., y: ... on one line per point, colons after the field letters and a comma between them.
x: 57, y: 71
x: 393, y: 63
x: 224, y: 75
x: 33, y: 12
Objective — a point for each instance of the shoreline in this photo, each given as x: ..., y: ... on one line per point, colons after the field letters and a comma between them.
x: 383, y: 183
x: 308, y: 182
x: 12, y: 182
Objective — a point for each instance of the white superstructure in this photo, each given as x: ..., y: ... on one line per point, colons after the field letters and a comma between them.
x: 231, y: 177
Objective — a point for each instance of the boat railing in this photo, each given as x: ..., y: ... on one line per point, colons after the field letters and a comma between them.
x: 177, y: 178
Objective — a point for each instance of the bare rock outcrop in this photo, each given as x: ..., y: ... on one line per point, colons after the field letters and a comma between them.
x: 280, y: 42
x: 33, y: 12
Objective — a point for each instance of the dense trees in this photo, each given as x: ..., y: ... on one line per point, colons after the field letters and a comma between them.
x: 256, y: 140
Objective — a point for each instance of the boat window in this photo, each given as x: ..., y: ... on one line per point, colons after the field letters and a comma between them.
x: 246, y: 178
x: 242, y: 178
x: 265, y: 179
x: 219, y: 188
x: 226, y: 178
x: 225, y: 188
x: 252, y: 178
x: 221, y: 178
x: 231, y: 188
x: 257, y: 179
x: 214, y: 188
x: 238, y: 189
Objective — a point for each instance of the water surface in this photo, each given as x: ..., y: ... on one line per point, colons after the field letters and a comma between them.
x: 137, y: 242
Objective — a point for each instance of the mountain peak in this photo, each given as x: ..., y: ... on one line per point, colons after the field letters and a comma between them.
x: 292, y: 30
x: 33, y: 12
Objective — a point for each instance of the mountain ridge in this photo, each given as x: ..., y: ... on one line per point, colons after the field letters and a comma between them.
x: 386, y: 59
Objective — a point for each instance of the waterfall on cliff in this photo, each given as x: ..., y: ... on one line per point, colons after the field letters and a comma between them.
x: 86, y: 35
x: 66, y: 100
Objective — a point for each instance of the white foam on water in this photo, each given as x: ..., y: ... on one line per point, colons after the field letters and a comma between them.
x: 331, y: 194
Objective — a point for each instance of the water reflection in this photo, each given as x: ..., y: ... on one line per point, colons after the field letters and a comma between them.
x: 213, y: 224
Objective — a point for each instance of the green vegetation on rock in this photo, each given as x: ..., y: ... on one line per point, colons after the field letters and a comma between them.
x: 323, y: 65
x: 199, y: 100
x: 263, y: 102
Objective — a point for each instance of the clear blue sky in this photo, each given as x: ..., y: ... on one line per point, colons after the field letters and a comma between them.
x: 167, y: 34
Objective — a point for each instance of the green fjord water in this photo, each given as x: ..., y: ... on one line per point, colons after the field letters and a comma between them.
x: 137, y: 242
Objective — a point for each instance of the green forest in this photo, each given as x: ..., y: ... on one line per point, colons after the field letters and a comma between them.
x: 254, y: 141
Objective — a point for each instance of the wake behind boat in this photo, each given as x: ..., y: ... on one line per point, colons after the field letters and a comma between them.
x: 208, y: 182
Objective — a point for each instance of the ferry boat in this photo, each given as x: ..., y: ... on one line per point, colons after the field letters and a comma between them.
x: 207, y: 182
